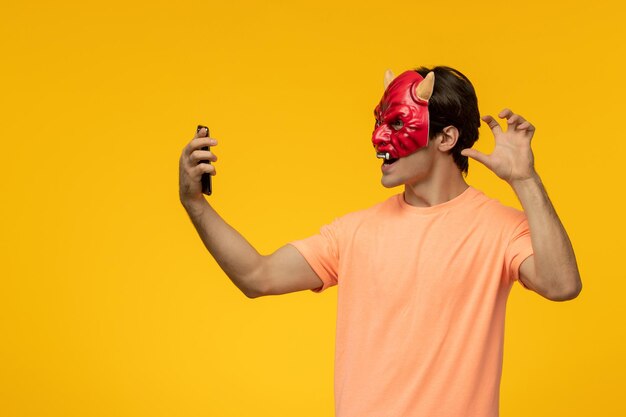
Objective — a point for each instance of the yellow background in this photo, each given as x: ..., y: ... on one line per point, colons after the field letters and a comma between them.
x: 109, y: 303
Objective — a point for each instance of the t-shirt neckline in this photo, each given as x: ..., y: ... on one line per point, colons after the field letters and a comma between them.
x: 466, y: 195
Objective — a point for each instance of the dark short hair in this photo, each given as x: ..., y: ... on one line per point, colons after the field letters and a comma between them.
x: 453, y: 103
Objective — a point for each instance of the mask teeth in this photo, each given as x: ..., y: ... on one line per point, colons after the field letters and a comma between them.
x: 383, y: 155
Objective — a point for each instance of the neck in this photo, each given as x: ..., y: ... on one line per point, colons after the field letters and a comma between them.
x: 441, y: 186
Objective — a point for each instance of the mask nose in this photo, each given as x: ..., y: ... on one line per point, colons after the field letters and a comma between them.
x: 381, y: 137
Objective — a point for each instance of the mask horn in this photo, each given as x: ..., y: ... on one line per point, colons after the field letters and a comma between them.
x: 388, y: 78
x: 424, y: 90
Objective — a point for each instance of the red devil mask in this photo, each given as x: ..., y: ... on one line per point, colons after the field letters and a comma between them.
x: 402, y: 115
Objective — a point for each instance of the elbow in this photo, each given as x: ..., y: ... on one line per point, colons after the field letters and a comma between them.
x: 262, y: 280
x: 567, y: 293
x: 253, y: 292
x: 255, y: 286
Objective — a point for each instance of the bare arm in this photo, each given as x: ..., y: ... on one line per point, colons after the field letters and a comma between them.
x: 254, y: 274
x: 552, y: 271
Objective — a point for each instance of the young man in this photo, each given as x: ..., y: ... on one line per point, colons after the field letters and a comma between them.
x: 424, y: 276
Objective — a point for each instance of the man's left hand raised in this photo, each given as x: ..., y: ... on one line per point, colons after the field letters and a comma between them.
x: 512, y: 158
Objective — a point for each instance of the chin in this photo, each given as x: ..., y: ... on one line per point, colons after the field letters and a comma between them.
x: 389, y: 183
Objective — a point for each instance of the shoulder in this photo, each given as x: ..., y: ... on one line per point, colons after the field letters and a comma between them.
x: 491, y: 210
x: 384, y: 208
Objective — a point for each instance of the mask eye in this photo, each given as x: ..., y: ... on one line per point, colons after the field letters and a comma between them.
x: 397, y: 124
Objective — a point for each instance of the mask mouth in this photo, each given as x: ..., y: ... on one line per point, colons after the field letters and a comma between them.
x: 386, y: 157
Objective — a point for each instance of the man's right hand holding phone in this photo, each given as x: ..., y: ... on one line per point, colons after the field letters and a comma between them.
x: 191, y: 169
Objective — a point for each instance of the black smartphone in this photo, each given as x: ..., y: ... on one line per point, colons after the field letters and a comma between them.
x: 207, y: 187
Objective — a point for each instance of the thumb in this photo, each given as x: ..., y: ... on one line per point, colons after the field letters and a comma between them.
x: 200, y: 131
x: 474, y: 154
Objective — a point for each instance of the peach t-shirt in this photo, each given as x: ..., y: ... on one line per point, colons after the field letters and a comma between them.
x: 422, y: 293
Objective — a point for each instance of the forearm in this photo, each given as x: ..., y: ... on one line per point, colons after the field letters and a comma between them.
x: 554, y: 259
x: 237, y: 258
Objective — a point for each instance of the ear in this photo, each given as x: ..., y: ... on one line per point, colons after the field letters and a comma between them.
x: 448, y: 138
x: 388, y: 78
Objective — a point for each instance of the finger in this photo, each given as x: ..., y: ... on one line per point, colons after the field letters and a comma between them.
x: 493, y: 124
x: 526, y: 126
x: 505, y: 113
x: 198, y: 143
x: 201, y: 155
x: 474, y: 154
x: 514, y: 121
x: 202, y: 131
x: 194, y: 144
x: 200, y: 169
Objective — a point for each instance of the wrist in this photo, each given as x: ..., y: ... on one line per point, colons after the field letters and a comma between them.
x: 528, y: 189
x: 193, y: 204
x: 531, y: 180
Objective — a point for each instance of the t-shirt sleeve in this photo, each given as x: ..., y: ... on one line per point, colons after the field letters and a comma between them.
x: 519, y: 249
x: 322, y: 254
